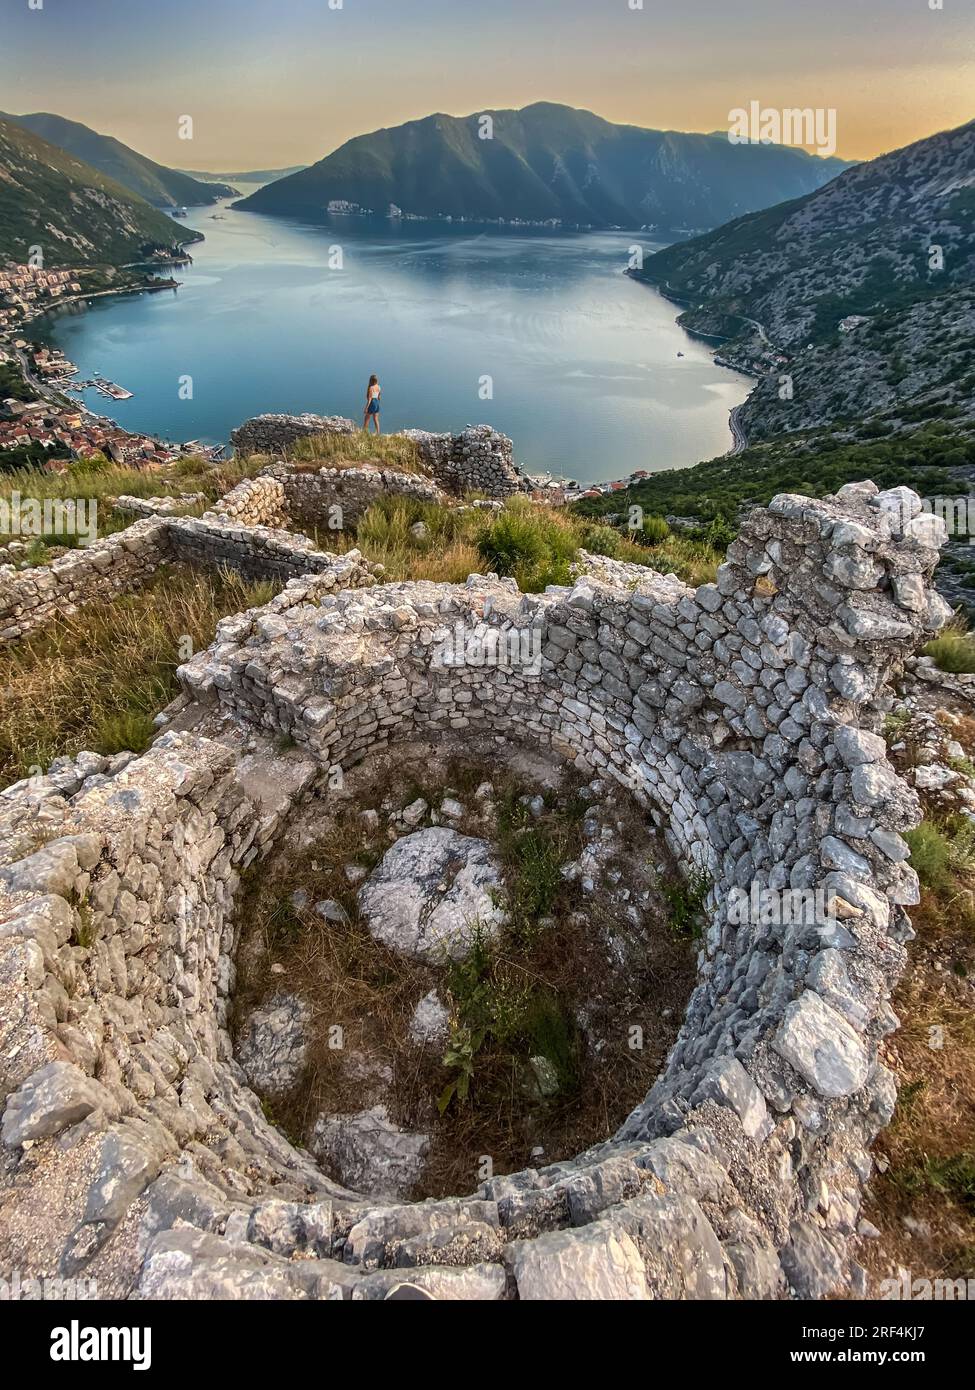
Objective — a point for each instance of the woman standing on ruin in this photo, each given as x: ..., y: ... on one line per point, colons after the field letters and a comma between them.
x: 373, y: 392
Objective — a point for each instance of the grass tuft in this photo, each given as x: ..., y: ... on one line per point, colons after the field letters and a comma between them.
x: 953, y: 650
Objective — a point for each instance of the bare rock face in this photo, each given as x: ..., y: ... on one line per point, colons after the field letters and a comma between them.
x: 272, y: 1052
x: 430, y: 892
x: 369, y: 1153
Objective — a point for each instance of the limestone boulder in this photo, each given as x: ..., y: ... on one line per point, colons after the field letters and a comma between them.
x: 431, y: 892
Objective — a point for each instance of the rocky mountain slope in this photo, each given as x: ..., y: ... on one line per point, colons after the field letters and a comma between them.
x: 77, y: 215
x: 865, y: 241
x: 549, y: 162
x: 165, y: 188
x: 898, y: 369
x: 887, y: 250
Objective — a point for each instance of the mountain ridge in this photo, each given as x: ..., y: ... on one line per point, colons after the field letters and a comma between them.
x: 547, y: 162
x: 887, y: 250
x: 756, y: 264
x: 157, y: 184
x: 75, y: 213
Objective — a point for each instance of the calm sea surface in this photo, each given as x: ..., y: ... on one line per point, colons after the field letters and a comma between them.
x: 583, y: 362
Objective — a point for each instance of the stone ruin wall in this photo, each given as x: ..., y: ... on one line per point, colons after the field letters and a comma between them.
x: 30, y: 598
x: 283, y: 496
x: 255, y: 528
x: 743, y: 716
x: 479, y: 459
x: 121, y: 563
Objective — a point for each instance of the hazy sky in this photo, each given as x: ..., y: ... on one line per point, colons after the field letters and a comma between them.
x: 277, y: 82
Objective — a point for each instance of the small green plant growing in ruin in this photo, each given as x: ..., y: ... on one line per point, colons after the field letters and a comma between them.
x: 963, y: 765
x: 552, y: 1034
x: 940, y: 850
x: 896, y: 723
x: 534, y: 853
x: 685, y: 899
x: 283, y: 923
x: 459, y: 1057
x: 484, y: 1006
x: 83, y: 934
x: 953, y: 1177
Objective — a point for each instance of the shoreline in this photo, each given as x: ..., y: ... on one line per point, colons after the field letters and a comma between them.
x: 100, y: 294
x: 707, y: 341
x: 739, y: 439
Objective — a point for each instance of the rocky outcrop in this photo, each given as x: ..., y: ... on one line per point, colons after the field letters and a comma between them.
x: 742, y: 717
x: 430, y: 892
x: 479, y: 459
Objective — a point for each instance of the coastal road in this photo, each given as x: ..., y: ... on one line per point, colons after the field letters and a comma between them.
x: 47, y: 393
x: 740, y: 439
x: 759, y: 329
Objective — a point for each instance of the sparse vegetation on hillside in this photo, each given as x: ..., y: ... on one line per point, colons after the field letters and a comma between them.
x: 922, y: 1199
x: 860, y: 246
x: 814, y: 466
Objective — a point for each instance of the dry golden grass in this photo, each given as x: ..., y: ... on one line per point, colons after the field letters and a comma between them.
x: 95, y: 680
x: 101, y: 483
x: 344, y: 450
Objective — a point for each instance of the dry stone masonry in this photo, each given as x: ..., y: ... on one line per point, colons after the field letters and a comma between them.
x: 742, y: 717
x: 479, y: 459
x: 255, y: 528
x: 31, y: 598
x: 284, y: 496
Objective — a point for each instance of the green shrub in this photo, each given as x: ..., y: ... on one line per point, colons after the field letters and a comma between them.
x: 930, y: 854
x: 953, y: 650
x: 532, y: 545
x: 655, y: 530
x: 602, y: 540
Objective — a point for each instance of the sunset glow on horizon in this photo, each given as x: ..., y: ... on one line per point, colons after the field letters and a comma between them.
x: 271, y: 84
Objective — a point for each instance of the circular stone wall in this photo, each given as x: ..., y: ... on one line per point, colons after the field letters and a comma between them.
x: 741, y: 716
